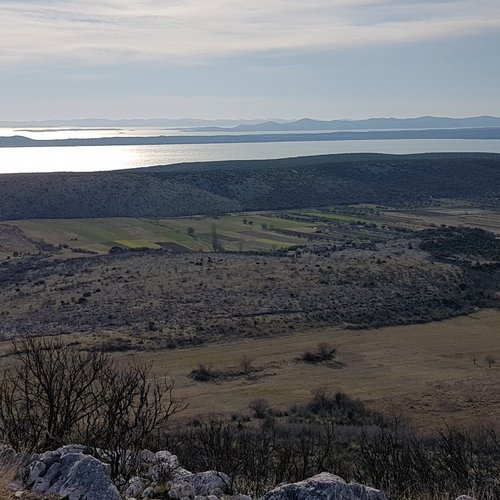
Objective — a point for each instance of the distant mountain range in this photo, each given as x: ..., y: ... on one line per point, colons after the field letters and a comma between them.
x: 305, y: 124
x: 133, y: 122
x: 271, y: 125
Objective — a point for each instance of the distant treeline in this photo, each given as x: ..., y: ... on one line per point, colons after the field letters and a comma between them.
x: 218, y: 187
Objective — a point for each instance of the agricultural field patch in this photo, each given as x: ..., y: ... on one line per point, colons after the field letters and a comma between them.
x: 136, y: 244
x: 191, y: 233
x: 338, y: 217
x: 487, y: 219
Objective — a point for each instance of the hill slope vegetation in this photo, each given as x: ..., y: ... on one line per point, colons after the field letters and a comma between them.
x: 218, y: 187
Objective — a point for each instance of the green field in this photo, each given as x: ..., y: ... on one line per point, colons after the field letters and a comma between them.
x: 247, y: 231
x: 234, y: 233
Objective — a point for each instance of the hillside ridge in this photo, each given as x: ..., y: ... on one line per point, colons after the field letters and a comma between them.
x: 221, y: 187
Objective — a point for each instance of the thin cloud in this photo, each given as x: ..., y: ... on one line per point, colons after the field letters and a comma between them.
x: 191, y: 30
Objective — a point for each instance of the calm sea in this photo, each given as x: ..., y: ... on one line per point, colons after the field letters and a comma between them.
x: 93, y: 158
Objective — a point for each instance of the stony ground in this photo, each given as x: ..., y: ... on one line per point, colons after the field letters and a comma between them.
x: 158, y: 300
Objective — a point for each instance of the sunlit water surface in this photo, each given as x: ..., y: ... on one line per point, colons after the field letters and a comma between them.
x: 93, y: 158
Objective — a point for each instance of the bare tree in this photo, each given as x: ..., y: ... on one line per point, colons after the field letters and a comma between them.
x: 325, y: 350
x: 490, y: 359
x: 260, y: 407
x: 56, y: 393
x: 322, y: 396
x: 246, y: 364
x: 48, y: 392
x: 216, y: 244
x: 132, y: 404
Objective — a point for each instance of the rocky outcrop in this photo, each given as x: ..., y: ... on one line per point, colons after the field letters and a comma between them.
x: 324, y: 486
x: 210, y: 483
x: 181, y: 484
x: 158, y: 469
x: 69, y: 473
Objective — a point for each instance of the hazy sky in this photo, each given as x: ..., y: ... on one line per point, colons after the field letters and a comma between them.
x: 248, y: 58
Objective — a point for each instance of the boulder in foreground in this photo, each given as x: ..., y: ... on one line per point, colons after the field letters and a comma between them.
x: 324, y: 486
x: 71, y: 474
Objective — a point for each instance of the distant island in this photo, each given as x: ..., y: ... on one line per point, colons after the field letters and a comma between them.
x: 458, y: 133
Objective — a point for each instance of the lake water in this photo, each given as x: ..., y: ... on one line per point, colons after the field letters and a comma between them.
x: 96, y: 158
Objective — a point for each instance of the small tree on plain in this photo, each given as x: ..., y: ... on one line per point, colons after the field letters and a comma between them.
x: 490, y: 359
x: 260, y: 407
x: 246, y: 364
x: 216, y: 244
x: 325, y: 350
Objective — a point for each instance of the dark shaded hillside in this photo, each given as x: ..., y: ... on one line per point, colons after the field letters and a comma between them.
x: 390, y: 180
x: 208, y: 188
x: 84, y: 195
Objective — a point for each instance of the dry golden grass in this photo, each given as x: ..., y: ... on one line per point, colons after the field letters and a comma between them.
x: 8, y: 473
x: 425, y: 372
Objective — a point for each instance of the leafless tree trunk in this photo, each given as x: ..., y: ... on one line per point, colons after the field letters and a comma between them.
x: 51, y: 388
x: 55, y: 394
x: 133, y: 404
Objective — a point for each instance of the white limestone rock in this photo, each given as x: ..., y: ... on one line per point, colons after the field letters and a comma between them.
x: 324, y: 486
x: 180, y: 490
x: 82, y: 477
x: 135, y: 487
x: 149, y: 492
x: 203, y: 483
x: 36, y: 470
x: 165, y: 467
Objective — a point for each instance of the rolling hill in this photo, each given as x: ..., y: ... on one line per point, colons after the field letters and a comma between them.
x: 218, y: 187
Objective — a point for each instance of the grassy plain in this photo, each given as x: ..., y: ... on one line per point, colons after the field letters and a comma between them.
x: 425, y: 372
